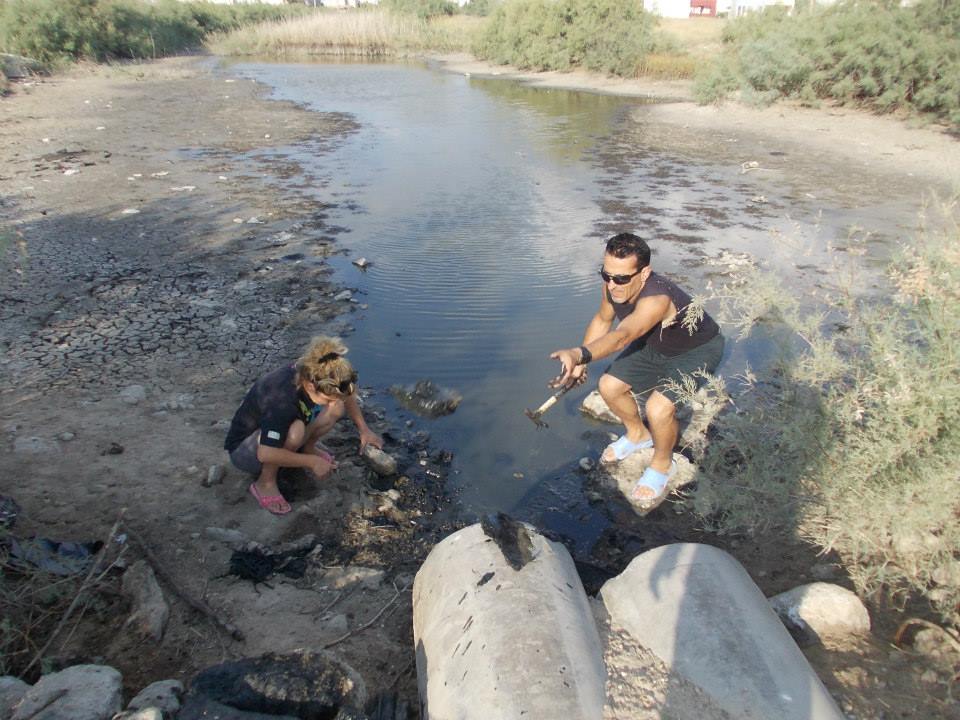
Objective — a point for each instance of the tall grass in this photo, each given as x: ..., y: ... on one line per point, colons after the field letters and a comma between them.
x: 372, y: 33
x: 874, y: 54
x: 851, y: 436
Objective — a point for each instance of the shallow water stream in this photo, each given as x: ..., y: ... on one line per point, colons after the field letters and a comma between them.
x: 483, y: 205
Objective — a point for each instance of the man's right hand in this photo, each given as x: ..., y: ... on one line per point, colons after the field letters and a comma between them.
x: 575, y: 376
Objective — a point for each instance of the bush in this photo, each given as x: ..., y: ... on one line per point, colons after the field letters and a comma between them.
x: 609, y: 36
x: 851, y: 434
x: 873, y: 54
x: 54, y: 31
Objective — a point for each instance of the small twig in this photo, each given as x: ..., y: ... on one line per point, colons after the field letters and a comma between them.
x: 369, y: 622
x: 197, y: 605
x: 86, y: 605
x: 66, y: 616
x: 901, y: 631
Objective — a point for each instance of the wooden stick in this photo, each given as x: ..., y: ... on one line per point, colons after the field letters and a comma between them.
x: 197, y: 605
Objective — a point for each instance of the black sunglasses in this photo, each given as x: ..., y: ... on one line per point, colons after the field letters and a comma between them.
x: 618, y: 279
x: 344, y: 387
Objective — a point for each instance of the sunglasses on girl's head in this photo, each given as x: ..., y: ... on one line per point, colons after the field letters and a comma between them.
x: 618, y: 279
x: 344, y: 387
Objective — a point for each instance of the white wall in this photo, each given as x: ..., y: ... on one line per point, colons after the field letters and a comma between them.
x: 668, y: 8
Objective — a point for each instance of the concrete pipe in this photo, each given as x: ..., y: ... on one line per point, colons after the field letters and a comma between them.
x: 699, y: 611
x: 495, y: 642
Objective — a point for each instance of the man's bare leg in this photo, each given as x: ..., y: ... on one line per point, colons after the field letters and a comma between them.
x: 619, y: 398
x: 662, y: 417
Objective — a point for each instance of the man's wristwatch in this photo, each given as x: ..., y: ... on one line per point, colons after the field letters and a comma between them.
x: 585, y: 355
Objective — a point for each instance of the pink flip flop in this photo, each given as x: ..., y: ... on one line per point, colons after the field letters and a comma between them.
x: 275, y: 504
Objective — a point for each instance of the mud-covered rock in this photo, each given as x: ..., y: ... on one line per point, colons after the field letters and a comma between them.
x: 300, y: 684
x: 427, y: 399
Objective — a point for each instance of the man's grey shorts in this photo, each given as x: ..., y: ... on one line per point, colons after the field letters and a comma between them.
x: 645, y: 370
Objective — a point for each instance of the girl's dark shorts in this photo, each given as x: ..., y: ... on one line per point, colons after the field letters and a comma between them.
x: 645, y: 370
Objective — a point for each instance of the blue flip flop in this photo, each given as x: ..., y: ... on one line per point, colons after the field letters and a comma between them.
x: 653, y: 480
x: 623, y: 448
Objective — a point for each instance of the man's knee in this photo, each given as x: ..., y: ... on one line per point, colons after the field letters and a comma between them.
x: 611, y: 387
x: 295, y: 435
x: 659, y: 408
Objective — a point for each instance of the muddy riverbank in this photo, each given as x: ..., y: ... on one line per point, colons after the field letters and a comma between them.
x: 145, y: 236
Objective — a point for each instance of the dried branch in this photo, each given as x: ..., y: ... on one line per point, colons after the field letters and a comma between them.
x: 86, y: 581
x: 370, y: 622
x: 197, y: 605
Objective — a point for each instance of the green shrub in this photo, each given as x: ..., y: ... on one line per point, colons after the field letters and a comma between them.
x: 609, y: 36
x: 54, y: 31
x: 875, y: 54
x: 850, y: 435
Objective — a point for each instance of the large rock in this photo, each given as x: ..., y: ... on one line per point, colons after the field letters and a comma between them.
x: 150, y: 610
x: 382, y: 463
x: 163, y: 694
x: 81, y: 692
x: 494, y: 641
x: 622, y: 476
x: 12, y: 691
x: 822, y: 610
x: 697, y: 609
x: 594, y: 406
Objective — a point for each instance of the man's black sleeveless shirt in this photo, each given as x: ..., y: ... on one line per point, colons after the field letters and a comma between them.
x: 673, y: 339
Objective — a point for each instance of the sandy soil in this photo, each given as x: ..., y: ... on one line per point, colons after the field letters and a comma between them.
x: 147, y: 242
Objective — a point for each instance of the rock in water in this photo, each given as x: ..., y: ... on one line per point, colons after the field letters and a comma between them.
x: 511, y: 537
x: 382, y: 463
x: 427, y: 399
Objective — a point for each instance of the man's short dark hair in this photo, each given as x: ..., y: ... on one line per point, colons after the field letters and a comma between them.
x: 626, y: 244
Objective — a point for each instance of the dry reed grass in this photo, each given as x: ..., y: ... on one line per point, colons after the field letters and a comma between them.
x: 366, y: 33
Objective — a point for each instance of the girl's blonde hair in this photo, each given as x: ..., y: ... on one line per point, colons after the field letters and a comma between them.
x: 323, y: 364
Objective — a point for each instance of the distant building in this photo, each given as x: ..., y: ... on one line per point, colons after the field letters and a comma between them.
x: 668, y: 8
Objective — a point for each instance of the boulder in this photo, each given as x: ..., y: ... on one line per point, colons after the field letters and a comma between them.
x: 164, y: 695
x: 382, y: 463
x: 820, y: 610
x: 12, y: 691
x: 594, y: 406
x: 150, y: 610
x: 81, y: 692
x: 622, y: 476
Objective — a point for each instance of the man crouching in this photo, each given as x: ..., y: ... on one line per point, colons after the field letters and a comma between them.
x: 658, y: 345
